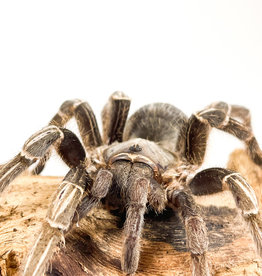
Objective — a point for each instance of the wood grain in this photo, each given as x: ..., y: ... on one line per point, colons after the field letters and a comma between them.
x: 94, y: 248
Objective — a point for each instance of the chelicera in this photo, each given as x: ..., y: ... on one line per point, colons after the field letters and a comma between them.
x: 150, y: 160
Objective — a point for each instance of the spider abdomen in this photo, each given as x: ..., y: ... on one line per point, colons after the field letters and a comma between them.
x: 162, y: 123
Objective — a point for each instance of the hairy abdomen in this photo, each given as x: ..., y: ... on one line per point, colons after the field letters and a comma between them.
x: 162, y: 123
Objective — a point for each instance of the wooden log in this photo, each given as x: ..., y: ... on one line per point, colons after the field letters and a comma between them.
x: 94, y: 248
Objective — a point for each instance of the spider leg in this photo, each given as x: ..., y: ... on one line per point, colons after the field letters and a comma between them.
x: 242, y: 113
x: 58, y: 219
x: 65, y: 207
x: 156, y: 196
x: 196, y: 233
x: 217, y: 179
x: 231, y: 119
x: 85, y: 119
x: 86, y: 122
x: 35, y: 148
x: 12, y: 169
x: 65, y: 113
x: 114, y: 117
x: 98, y: 191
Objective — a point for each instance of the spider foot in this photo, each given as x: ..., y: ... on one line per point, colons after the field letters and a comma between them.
x: 58, y: 220
x: 199, y: 264
x: 196, y: 232
x: 254, y: 222
x: 34, y: 148
x: 42, y: 250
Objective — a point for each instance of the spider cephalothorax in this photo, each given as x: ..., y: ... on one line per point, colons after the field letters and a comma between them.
x: 147, y: 161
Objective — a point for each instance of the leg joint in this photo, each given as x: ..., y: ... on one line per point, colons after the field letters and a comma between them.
x: 37, y: 145
x: 243, y: 193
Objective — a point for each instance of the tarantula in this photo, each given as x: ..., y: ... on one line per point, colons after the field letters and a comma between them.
x: 147, y: 161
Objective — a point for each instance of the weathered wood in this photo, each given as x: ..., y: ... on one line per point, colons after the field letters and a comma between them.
x: 94, y: 248
x: 22, y: 209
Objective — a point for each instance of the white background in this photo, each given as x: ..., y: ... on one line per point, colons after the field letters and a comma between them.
x: 188, y: 53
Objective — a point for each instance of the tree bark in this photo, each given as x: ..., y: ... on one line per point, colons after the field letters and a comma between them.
x: 94, y: 247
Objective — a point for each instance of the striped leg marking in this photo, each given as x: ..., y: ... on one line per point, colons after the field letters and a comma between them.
x: 99, y: 190
x: 64, y: 114
x: 86, y: 122
x: 12, y: 169
x: 196, y: 232
x: 42, y: 251
x: 234, y: 120
x: 34, y: 148
x: 246, y: 200
x: 114, y: 116
x: 68, y: 196
x: 58, y: 220
x: 243, y: 193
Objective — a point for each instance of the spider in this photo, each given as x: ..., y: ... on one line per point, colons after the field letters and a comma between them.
x: 150, y: 160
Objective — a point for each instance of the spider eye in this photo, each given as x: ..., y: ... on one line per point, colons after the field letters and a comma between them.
x: 135, y: 148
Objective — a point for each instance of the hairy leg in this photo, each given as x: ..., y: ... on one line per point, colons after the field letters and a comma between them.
x: 66, y: 208
x: 64, y: 114
x: 241, y: 113
x: 12, y: 169
x: 217, y: 179
x: 58, y: 220
x: 98, y: 191
x: 197, y: 240
x: 114, y: 116
x: 86, y: 122
x: 35, y: 148
x: 85, y: 119
x: 231, y: 119
x: 156, y: 196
